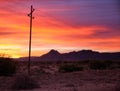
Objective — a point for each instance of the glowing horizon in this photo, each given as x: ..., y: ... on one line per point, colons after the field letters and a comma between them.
x: 62, y: 25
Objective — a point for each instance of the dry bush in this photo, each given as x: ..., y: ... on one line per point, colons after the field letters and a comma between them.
x: 24, y: 81
x: 118, y: 64
x: 98, y: 65
x: 7, y: 66
x: 70, y: 67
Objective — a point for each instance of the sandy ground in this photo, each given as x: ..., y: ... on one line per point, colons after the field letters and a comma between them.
x: 87, y: 80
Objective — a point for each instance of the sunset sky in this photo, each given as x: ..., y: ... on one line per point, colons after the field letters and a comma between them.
x: 64, y: 25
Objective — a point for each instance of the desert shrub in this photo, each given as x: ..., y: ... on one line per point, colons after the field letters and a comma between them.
x: 98, y: 65
x: 70, y: 67
x: 24, y: 81
x: 7, y: 66
x: 84, y: 62
x: 118, y: 63
x: 109, y: 64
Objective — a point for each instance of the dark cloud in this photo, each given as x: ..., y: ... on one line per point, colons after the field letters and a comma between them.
x: 118, y: 5
x: 105, y: 34
x: 81, y: 12
x: 6, y: 33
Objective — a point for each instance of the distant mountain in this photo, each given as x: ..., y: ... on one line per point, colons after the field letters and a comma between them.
x: 54, y: 55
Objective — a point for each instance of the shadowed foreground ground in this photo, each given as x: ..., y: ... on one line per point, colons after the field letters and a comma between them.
x: 50, y: 79
x: 87, y: 80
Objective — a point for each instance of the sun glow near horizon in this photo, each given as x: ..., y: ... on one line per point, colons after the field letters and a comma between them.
x: 59, y: 25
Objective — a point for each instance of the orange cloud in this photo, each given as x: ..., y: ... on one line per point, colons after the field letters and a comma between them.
x: 50, y: 32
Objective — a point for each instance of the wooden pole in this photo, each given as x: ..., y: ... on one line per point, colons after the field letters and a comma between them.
x: 30, y: 38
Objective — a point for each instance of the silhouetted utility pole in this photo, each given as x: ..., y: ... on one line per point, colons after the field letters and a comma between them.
x: 31, y: 17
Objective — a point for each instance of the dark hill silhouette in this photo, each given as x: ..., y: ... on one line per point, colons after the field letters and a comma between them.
x: 54, y: 55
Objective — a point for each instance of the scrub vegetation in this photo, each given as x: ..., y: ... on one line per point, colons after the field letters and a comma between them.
x: 7, y: 66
